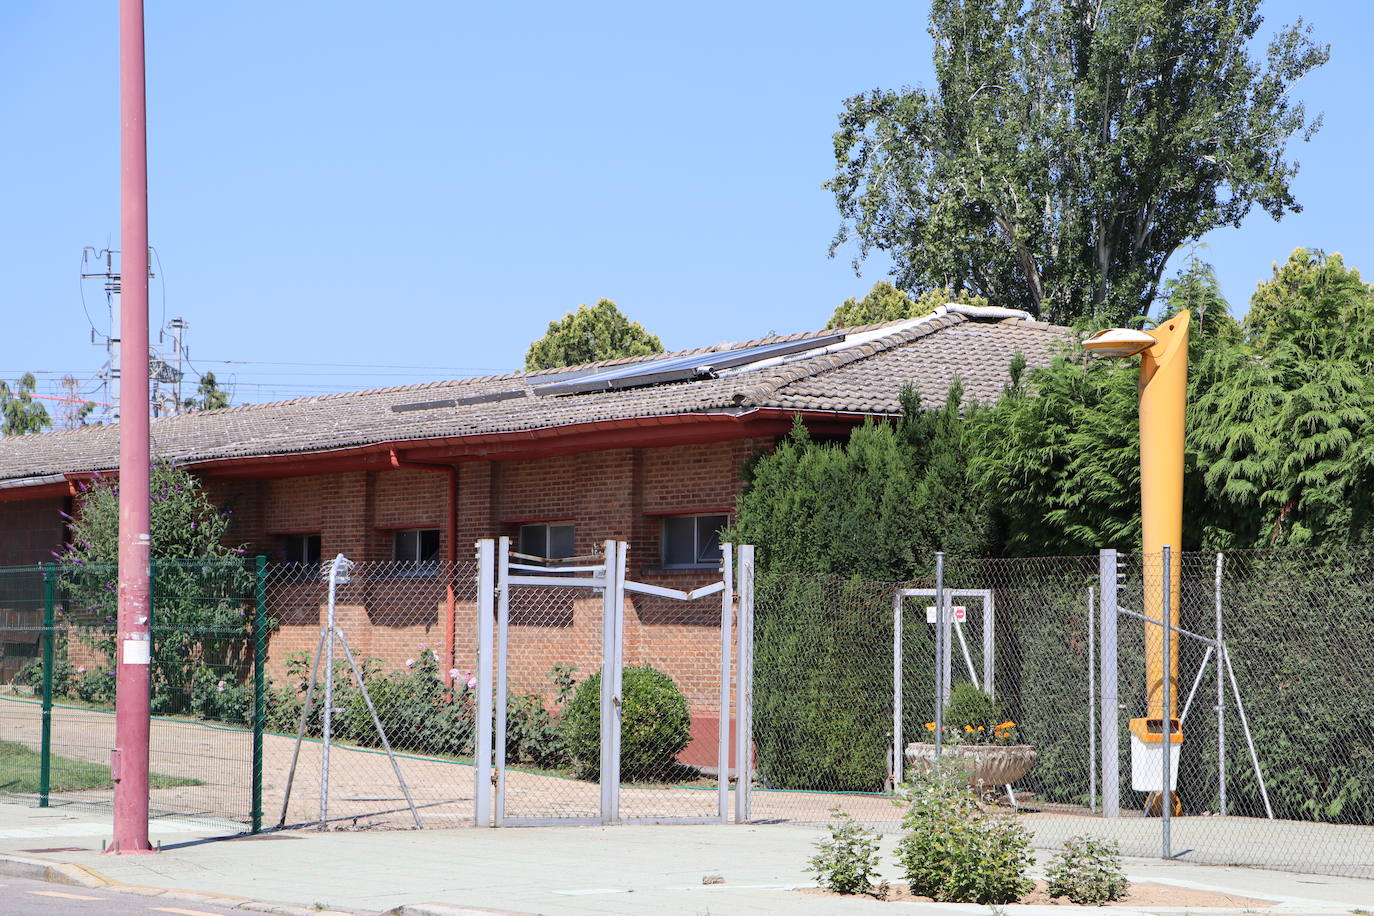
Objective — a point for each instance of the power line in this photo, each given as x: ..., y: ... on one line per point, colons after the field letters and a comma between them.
x: 261, y: 362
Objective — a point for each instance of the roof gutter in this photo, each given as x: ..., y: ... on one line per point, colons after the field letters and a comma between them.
x: 450, y: 553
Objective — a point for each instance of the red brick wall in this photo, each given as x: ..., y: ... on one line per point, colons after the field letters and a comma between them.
x: 610, y: 494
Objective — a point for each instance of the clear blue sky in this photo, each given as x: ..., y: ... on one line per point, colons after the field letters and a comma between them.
x: 427, y: 184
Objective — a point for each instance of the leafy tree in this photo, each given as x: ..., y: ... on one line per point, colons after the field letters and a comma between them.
x: 885, y: 302
x: 209, y: 395
x: 1059, y: 455
x: 21, y: 413
x: 589, y: 335
x: 1068, y: 148
x: 952, y: 514
x: 1287, y: 418
x: 832, y: 522
x: 201, y: 588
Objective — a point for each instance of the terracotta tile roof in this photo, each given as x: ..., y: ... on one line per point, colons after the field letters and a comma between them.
x: 863, y: 379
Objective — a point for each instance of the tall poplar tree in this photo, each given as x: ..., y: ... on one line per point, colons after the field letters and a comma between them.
x: 1069, y: 147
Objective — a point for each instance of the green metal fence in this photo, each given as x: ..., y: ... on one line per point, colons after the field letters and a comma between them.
x: 208, y: 698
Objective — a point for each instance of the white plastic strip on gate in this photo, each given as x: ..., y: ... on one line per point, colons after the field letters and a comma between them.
x: 661, y: 592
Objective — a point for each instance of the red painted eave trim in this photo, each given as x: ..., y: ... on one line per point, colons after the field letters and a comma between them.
x: 638, y: 432
x: 40, y: 491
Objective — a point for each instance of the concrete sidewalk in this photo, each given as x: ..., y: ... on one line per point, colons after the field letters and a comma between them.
x: 619, y: 870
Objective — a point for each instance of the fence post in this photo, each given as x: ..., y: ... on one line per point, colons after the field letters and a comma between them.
x: 727, y: 611
x: 1221, y: 698
x: 1092, y: 703
x: 1107, y: 719
x: 1166, y: 795
x: 259, y: 685
x: 486, y: 614
x: 49, y: 635
x: 940, y: 649
x: 744, y: 685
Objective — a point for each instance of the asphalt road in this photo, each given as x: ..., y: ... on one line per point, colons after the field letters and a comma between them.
x: 20, y: 897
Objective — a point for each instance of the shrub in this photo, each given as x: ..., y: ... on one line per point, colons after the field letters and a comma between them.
x: 956, y: 853
x: 654, y: 726
x: 1087, y: 871
x: 534, y: 734
x: 969, y: 707
x: 220, y: 698
x: 847, y: 862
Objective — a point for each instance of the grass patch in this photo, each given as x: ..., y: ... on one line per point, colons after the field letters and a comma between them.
x: 19, y: 773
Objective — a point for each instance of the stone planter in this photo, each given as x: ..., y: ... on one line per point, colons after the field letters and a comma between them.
x: 987, y: 765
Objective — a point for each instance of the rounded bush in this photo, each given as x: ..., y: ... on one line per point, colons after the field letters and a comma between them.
x: 655, y: 726
x: 970, y: 707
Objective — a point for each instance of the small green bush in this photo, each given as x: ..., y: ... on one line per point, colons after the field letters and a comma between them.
x: 969, y: 707
x: 655, y: 726
x: 846, y: 863
x: 953, y: 852
x: 1087, y: 871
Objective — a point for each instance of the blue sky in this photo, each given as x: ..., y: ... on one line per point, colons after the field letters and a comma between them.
x: 338, y: 187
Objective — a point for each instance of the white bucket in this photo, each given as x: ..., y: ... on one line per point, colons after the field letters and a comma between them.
x: 1147, y: 765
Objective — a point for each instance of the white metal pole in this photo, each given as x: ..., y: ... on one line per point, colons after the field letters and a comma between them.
x: 897, y: 745
x: 727, y: 611
x: 744, y: 689
x: 1109, y: 703
x: 1166, y: 796
x: 1221, y: 697
x: 940, y: 685
x: 622, y: 549
x: 328, y: 730
x: 482, y: 813
x: 1245, y: 729
x: 609, y: 662
x: 989, y: 642
x: 1092, y: 704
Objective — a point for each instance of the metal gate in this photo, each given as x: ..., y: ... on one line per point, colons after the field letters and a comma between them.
x: 574, y: 611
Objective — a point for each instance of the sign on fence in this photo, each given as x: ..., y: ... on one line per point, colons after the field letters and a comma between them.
x: 959, y: 613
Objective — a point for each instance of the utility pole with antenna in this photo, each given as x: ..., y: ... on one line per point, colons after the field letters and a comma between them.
x: 166, y: 371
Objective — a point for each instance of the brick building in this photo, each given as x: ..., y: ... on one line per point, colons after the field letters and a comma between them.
x: 647, y: 450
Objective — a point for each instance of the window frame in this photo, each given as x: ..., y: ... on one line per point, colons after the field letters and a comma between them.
x: 404, y: 566
x: 304, y: 542
x: 551, y: 562
x: 696, y: 518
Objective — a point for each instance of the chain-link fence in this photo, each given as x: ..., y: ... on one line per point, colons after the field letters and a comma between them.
x: 846, y: 680
x: 57, y: 625
x: 1271, y: 744
x: 398, y: 679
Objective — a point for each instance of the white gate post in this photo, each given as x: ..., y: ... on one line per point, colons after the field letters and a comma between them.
x: 744, y: 687
x: 1107, y: 588
x: 481, y: 793
x: 502, y: 701
x: 610, y: 663
x: 622, y: 549
x: 727, y: 606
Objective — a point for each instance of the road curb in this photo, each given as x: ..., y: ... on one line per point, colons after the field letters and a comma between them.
x: 51, y: 872
x: 74, y: 875
x: 449, y: 909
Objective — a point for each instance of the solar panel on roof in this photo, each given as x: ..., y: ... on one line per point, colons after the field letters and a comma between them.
x: 680, y: 368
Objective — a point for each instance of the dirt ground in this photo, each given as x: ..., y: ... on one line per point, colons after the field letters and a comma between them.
x: 1142, y: 894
